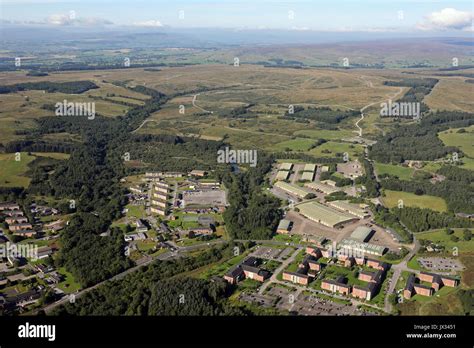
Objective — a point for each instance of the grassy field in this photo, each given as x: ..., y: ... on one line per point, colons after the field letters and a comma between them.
x: 440, y: 237
x: 13, y: 171
x: 404, y: 173
x: 463, y: 141
x: 391, y: 199
x: 299, y: 144
x: 331, y: 148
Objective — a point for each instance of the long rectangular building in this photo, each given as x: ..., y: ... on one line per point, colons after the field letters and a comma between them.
x: 282, y: 175
x: 325, y: 215
x: 350, y: 208
x: 360, y: 248
x: 292, y: 189
x: 309, y: 167
x: 286, y: 166
x: 317, y: 186
x: 307, y: 176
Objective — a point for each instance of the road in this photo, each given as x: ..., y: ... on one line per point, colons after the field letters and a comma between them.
x: 359, y: 131
x: 277, y: 271
x: 197, y: 106
x: 397, y: 271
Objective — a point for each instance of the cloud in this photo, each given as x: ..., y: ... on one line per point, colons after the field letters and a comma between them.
x: 448, y: 19
x: 71, y: 20
x: 151, y: 23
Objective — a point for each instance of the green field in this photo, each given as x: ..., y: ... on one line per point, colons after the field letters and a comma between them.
x: 299, y: 144
x: 331, y: 148
x: 464, y: 141
x: 404, y: 173
x: 13, y: 172
x: 411, y: 200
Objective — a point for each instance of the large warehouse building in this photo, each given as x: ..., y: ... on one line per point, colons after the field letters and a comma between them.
x: 292, y: 189
x: 325, y: 215
x: 357, y: 248
x: 350, y: 208
x: 282, y: 175
x: 326, y: 189
x: 286, y: 166
x: 362, y: 234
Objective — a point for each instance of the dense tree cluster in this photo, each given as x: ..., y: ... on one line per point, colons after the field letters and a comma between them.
x: 418, y: 220
x: 70, y: 87
x: 252, y: 214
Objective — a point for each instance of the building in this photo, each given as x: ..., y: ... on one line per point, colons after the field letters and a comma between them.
x: 16, y: 220
x: 325, y: 215
x: 157, y: 210
x: 9, y: 206
x: 198, y: 231
x: 329, y: 182
x: 366, y: 292
x: 362, y: 234
x: 292, y: 189
x: 295, y: 277
x: 307, y: 176
x: 141, y: 227
x: 199, y: 173
x: 44, y: 252
x: 20, y: 227
x: 246, y: 269
x: 309, y: 167
x: 338, y: 286
x: 350, y: 208
x: 358, y: 249
x: 25, y: 233
x: 54, y: 226
x: 439, y: 279
x: 323, y: 188
x: 284, y: 226
x: 282, y: 175
x: 286, y: 166
x: 234, y: 275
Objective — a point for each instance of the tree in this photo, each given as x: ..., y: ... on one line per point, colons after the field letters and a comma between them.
x: 449, y: 231
x: 467, y: 235
x: 454, y: 238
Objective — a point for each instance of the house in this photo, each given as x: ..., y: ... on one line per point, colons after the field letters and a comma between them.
x: 44, y: 252
x: 16, y: 220
x: 413, y: 285
x: 25, y: 233
x: 12, y: 212
x: 19, y: 227
x: 9, y: 206
x: 201, y: 231
x: 54, y: 226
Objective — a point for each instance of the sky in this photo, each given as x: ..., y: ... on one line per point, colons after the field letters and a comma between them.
x: 437, y: 16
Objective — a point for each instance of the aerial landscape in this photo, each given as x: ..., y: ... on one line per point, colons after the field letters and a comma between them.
x: 172, y: 163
